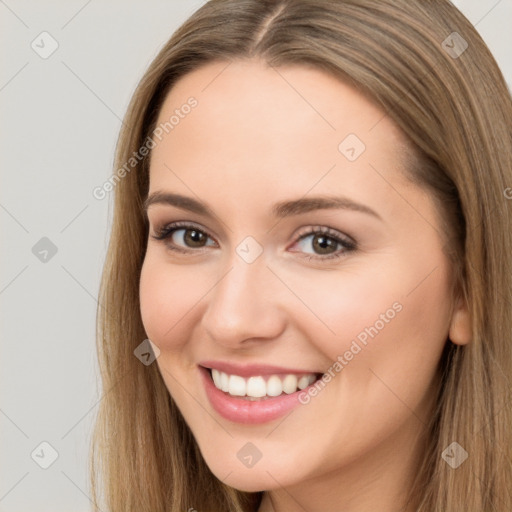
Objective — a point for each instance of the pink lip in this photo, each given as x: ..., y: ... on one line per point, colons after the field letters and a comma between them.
x: 249, y: 370
x: 244, y: 411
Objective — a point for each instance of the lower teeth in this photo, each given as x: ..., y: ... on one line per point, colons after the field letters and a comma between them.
x: 253, y: 398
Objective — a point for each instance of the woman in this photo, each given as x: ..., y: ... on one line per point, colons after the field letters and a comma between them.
x: 312, y: 226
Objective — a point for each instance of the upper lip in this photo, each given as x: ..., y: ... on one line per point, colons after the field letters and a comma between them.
x: 250, y: 370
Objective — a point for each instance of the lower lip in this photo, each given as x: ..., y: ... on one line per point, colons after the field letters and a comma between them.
x: 248, y: 411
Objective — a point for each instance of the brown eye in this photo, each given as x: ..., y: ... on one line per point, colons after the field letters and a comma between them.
x: 193, y: 237
x: 325, y: 243
x: 180, y: 237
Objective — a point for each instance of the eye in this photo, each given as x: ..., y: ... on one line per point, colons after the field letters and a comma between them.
x: 326, y: 243
x: 182, y: 236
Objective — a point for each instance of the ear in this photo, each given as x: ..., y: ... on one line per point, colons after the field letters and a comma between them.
x: 460, y: 331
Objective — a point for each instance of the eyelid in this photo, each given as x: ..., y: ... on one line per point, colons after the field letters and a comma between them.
x: 165, y: 230
x: 334, y: 233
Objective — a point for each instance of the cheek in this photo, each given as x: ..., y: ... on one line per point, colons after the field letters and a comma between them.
x: 400, y: 341
x: 393, y: 323
x: 399, y: 295
x: 168, y: 295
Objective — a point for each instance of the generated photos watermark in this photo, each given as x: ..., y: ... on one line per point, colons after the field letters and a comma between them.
x: 357, y: 345
x: 100, y: 192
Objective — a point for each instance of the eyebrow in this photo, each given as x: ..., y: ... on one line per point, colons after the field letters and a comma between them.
x: 280, y: 210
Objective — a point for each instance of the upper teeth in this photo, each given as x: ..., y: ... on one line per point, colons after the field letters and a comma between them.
x: 257, y: 386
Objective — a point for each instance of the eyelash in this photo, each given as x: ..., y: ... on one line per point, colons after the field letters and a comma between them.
x: 166, y: 231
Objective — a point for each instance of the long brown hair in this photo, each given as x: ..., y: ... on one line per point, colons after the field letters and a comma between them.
x: 453, y: 103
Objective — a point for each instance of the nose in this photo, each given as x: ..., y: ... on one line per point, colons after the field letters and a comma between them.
x: 245, y: 305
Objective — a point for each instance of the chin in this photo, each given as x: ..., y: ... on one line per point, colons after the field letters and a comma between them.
x: 246, y: 480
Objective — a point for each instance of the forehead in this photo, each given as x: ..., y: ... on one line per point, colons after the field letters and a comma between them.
x: 278, y: 96
x: 292, y: 128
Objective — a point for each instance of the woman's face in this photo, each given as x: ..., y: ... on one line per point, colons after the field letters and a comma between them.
x: 261, y: 279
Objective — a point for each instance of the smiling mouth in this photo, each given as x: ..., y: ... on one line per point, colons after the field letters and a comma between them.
x: 261, y: 387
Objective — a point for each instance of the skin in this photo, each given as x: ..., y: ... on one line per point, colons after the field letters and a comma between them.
x: 259, y: 136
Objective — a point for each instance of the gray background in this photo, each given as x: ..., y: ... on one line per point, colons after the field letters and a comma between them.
x: 61, y: 116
